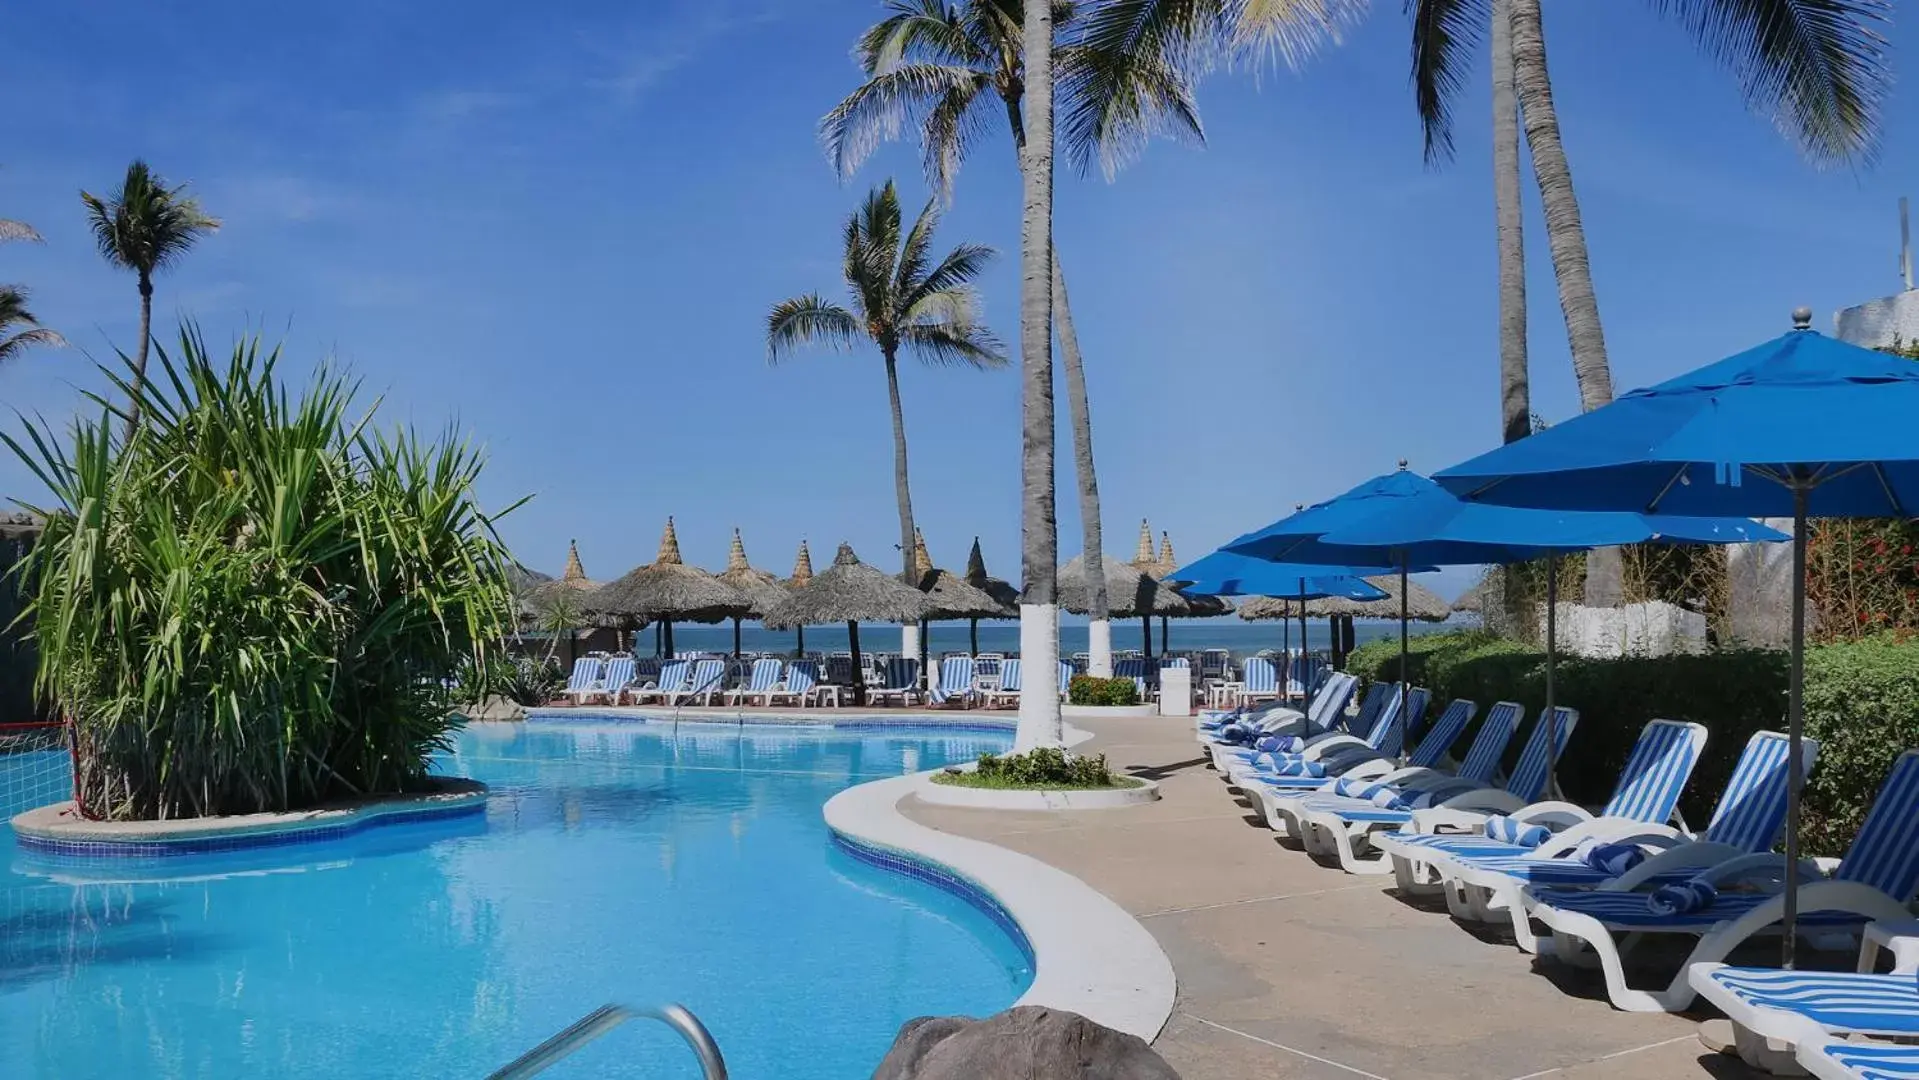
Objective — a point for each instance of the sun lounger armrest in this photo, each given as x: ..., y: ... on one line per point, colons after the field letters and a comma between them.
x: 1759, y: 867
x: 1375, y: 769
x: 1552, y: 811
x: 1484, y: 801
x: 1696, y: 856
x: 1323, y: 746
x: 1433, y: 819
x: 1610, y: 830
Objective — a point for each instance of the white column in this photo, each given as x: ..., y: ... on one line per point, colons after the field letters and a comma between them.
x: 1039, y: 712
x: 910, y: 642
x: 1099, y: 648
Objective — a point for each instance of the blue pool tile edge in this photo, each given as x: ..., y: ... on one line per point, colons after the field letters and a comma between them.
x: 943, y: 877
x: 958, y: 724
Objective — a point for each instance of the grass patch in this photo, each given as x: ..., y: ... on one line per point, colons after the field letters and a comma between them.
x: 1001, y: 783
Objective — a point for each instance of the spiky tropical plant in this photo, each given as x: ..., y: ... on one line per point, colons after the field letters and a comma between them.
x: 29, y: 332
x: 1817, y: 67
x: 144, y: 228
x: 258, y: 604
x: 902, y: 301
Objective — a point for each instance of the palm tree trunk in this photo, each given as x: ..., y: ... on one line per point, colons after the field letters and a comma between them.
x: 1039, y: 712
x: 901, y: 490
x: 1515, y: 390
x: 1567, y: 239
x: 140, y: 353
x: 1099, y: 632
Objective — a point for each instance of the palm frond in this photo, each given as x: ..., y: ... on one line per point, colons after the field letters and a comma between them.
x: 14, y: 312
x: 18, y: 230
x: 958, y: 271
x: 808, y: 320
x: 918, y: 32
x: 911, y: 268
x: 1446, y: 37
x: 870, y: 270
x: 1291, y: 30
x: 883, y: 106
x: 148, y: 225
x: 954, y: 123
x: 947, y: 343
x: 1110, y: 104
x: 1817, y: 67
x: 1188, y: 35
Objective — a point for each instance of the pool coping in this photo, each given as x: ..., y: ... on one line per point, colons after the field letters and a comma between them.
x: 57, y: 830
x: 1089, y: 955
x: 882, y: 720
x: 937, y: 794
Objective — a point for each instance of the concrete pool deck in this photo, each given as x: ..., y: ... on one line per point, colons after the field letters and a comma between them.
x: 1293, y: 970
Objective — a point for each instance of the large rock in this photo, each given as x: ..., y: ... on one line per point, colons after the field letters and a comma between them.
x: 493, y: 708
x: 1028, y: 1043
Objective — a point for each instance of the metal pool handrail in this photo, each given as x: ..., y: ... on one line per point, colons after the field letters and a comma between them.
x: 605, y: 1019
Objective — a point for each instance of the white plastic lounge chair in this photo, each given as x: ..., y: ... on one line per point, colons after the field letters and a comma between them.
x: 1066, y: 673
x: 802, y: 686
x: 1327, y: 756
x: 1009, y: 684
x: 672, y: 680
x: 1325, y: 713
x: 1423, y: 764
x: 761, y: 682
x: 1874, y: 881
x: 1747, y: 821
x: 1134, y: 668
x: 956, y: 681
x: 617, y: 679
x: 703, y: 681
x: 1405, y: 845
x: 1772, y: 1010
x: 1859, y: 1061
x: 900, y: 679
x: 1369, y: 726
x: 1344, y: 827
x: 584, y: 681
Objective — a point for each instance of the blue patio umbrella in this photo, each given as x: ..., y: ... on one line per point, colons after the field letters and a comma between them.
x: 1226, y: 573
x: 1801, y: 425
x: 1432, y: 525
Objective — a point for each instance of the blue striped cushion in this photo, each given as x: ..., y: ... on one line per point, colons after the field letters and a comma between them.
x: 1837, y: 1000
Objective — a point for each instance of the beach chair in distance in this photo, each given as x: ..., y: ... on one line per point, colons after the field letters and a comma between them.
x: 1873, y: 883
x: 899, y: 679
x: 617, y: 679
x: 706, y: 678
x: 1066, y: 674
x: 803, y: 687
x: 584, y: 680
x: 1007, y: 692
x: 672, y: 680
x: 955, y: 682
x: 761, y: 681
x: 1287, y: 815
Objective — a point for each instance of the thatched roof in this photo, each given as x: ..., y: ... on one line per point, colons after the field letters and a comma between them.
x: 1267, y: 607
x: 850, y: 591
x: 802, y: 568
x: 1130, y: 591
x: 1143, y: 556
x: 1166, y: 560
x: 762, y: 590
x: 978, y: 578
x: 15, y: 524
x: 953, y: 597
x: 667, y: 588
x: 1474, y: 599
x: 539, y: 594
x: 1205, y: 607
x: 1422, y: 603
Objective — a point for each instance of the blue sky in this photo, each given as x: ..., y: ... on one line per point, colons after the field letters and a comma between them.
x: 561, y: 226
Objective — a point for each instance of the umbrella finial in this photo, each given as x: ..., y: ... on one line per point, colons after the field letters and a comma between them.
x: 1402, y: 464
x: 1166, y: 562
x: 1143, y: 556
x: 803, y: 565
x: 846, y: 556
x: 922, y: 562
x: 975, y: 565
x: 736, y: 558
x: 669, y: 553
x: 1802, y: 318
x: 574, y: 571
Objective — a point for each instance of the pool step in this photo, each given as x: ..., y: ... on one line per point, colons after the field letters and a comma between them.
x: 604, y: 1019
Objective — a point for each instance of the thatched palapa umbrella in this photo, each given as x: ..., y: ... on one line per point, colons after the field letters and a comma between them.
x: 802, y: 573
x: 851, y: 592
x: 1421, y: 603
x: 761, y: 589
x: 1130, y: 591
x: 1002, y: 593
x: 955, y: 597
x: 667, y: 590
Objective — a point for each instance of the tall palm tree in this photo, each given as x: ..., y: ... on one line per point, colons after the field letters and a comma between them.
x: 14, y: 313
x: 951, y: 70
x: 1816, y: 66
x: 901, y: 300
x: 144, y: 228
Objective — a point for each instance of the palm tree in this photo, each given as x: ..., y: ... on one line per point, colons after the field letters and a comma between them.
x: 144, y: 228
x: 1817, y: 66
x: 900, y: 300
x: 14, y: 313
x: 952, y: 69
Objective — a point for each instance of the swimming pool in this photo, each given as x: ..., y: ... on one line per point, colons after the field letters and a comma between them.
x: 615, y: 862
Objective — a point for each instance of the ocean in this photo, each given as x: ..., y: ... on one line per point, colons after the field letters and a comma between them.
x: 1235, y: 635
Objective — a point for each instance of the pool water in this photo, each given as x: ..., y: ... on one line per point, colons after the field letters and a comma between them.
x: 615, y: 862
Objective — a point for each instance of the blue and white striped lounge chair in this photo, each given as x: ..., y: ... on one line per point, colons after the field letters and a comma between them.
x: 1772, y: 1010
x: 1066, y: 673
x: 900, y: 678
x: 762, y: 681
x: 1646, y: 794
x: 1009, y: 684
x: 1286, y: 815
x: 707, y: 678
x: 1524, y: 785
x: 803, y: 687
x: 617, y: 679
x: 1239, y: 761
x: 1874, y: 881
x: 1325, y: 713
x: 672, y: 680
x: 1133, y: 668
x: 584, y: 681
x: 1344, y: 827
x: 1859, y: 1061
x: 1303, y: 674
x: 1747, y: 821
x: 956, y: 681
x: 1333, y: 753
x: 1261, y: 682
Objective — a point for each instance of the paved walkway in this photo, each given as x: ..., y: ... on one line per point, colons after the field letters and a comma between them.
x: 1292, y: 970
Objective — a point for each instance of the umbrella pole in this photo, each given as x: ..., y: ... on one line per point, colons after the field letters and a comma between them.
x: 1405, y: 688
x: 659, y: 642
x: 1146, y: 635
x: 1285, y: 653
x: 859, y: 676
x: 972, y: 637
x: 667, y: 625
x: 1552, y: 658
x: 924, y: 680
x: 1795, y: 706
x: 799, y: 642
x: 736, y: 637
x: 1165, y: 627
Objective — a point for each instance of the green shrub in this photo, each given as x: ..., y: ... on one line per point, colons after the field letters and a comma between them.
x: 523, y: 680
x: 1045, y: 767
x: 1088, y: 690
x: 257, y: 602
x: 1862, y: 703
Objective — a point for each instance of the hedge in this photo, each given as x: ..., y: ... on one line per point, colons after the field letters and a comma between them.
x: 1088, y: 690
x: 1862, y: 702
